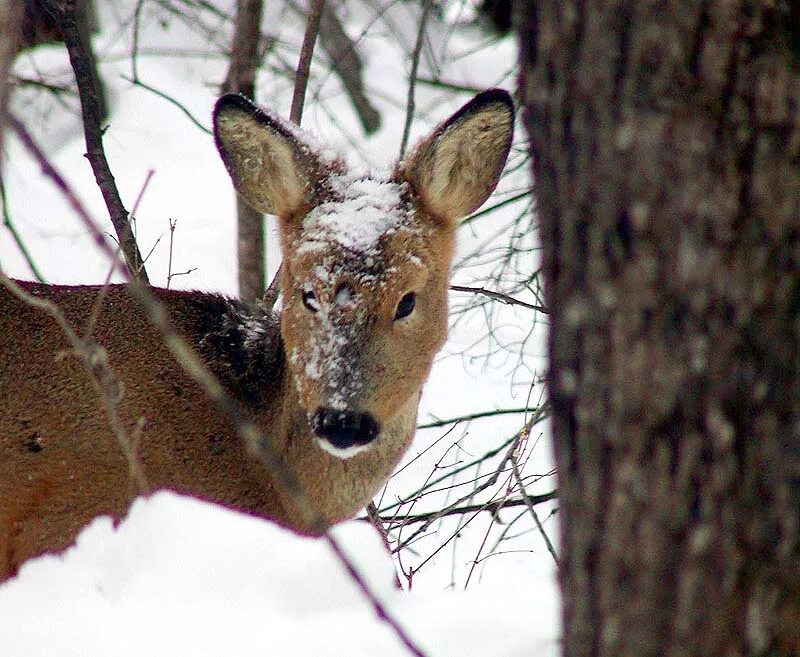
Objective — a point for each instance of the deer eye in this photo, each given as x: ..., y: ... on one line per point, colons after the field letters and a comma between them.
x: 406, y: 306
x: 310, y: 300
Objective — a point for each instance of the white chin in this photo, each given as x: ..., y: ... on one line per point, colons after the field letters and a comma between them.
x: 339, y: 452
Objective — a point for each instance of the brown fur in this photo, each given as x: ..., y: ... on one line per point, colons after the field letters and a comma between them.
x: 346, y: 348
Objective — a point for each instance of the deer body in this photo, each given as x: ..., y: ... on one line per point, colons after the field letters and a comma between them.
x: 333, y: 380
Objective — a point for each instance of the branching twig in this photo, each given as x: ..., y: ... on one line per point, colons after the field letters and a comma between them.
x: 493, y: 507
x: 78, y: 48
x: 498, y: 296
x: 527, y: 501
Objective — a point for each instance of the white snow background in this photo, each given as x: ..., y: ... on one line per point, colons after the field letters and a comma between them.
x: 180, y: 577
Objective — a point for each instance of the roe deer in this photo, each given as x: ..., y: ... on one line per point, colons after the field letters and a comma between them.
x: 333, y: 380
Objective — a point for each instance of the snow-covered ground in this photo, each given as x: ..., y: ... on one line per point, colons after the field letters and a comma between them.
x: 179, y: 577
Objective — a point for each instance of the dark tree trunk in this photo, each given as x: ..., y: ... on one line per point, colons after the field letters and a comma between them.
x: 666, y: 146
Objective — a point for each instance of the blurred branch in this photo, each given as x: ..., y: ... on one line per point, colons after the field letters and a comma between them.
x: 450, y: 86
x: 81, y: 58
x: 241, y: 76
x: 304, y: 63
x: 347, y: 64
x: 254, y: 440
x: 380, y: 610
x: 95, y: 361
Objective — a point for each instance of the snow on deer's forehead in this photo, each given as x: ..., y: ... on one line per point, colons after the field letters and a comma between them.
x: 361, y: 212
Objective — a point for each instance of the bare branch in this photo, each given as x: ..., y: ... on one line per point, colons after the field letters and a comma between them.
x: 475, y: 416
x: 498, y: 296
x: 427, y: 5
x: 169, y: 99
x: 526, y: 499
x: 296, y: 112
x: 81, y: 56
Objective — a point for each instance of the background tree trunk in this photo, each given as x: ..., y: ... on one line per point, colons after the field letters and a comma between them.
x: 666, y: 147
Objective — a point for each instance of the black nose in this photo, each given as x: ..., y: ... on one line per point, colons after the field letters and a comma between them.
x: 344, y: 429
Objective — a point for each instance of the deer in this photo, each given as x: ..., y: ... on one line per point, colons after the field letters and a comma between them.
x: 332, y: 379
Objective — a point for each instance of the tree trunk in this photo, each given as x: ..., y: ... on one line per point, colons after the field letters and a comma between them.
x: 666, y: 152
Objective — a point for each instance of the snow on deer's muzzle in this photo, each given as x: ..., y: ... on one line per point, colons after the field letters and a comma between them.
x: 344, y: 433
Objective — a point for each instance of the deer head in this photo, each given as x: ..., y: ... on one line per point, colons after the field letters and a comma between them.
x: 366, y: 259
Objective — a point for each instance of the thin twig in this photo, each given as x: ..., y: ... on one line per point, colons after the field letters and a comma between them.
x: 172, y: 224
x: 377, y: 605
x: 137, y: 19
x: 498, y: 296
x: 9, y: 224
x: 374, y: 517
x: 71, y: 198
x: 474, y: 416
x: 169, y: 99
x: 427, y: 5
x: 296, y: 113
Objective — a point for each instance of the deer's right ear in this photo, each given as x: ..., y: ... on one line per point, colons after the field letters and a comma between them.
x: 270, y: 166
x: 456, y: 168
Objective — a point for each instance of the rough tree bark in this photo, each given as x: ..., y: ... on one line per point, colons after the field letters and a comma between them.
x: 665, y: 138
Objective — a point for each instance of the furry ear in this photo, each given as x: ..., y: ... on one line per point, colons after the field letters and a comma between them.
x: 456, y: 168
x: 271, y: 166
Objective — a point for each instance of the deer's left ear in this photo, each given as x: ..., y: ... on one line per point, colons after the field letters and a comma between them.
x: 271, y: 166
x: 456, y: 168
